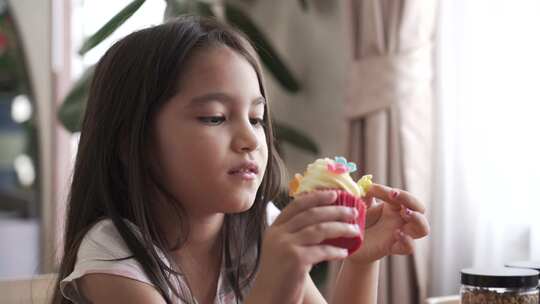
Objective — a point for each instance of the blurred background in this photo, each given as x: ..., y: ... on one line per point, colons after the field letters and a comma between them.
x: 437, y: 97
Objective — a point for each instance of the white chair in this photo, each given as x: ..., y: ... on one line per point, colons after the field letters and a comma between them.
x: 35, y: 290
x: 444, y: 300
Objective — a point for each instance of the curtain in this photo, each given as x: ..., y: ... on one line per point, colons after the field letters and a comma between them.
x: 487, y: 166
x: 389, y: 107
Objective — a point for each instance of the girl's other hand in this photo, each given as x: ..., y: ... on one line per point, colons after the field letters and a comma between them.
x: 391, y: 225
x: 292, y: 244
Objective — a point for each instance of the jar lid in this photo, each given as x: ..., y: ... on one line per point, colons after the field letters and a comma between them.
x: 499, y: 277
x: 525, y: 264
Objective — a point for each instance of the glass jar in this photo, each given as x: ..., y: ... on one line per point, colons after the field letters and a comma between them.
x: 499, y: 285
x: 525, y: 264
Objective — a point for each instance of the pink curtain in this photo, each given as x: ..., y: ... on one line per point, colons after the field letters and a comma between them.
x: 388, y: 104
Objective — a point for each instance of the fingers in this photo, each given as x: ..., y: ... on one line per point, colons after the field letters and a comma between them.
x: 374, y: 214
x: 403, y: 245
x: 370, y: 201
x: 315, y: 234
x: 395, y: 197
x: 304, y: 202
x: 321, y: 214
x: 302, y: 226
x: 416, y: 224
x: 320, y: 253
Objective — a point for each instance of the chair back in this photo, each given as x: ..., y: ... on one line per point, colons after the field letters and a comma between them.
x: 38, y: 289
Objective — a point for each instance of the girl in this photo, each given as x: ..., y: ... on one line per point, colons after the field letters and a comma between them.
x: 173, y: 178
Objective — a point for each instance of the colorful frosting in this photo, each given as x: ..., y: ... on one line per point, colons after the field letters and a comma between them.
x: 326, y: 173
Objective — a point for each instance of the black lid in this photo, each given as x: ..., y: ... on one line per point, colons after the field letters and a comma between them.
x: 499, y: 277
x: 525, y: 264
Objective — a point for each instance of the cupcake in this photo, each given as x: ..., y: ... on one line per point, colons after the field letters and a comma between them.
x: 328, y: 174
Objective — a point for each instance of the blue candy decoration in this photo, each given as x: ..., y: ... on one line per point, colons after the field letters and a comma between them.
x: 350, y: 165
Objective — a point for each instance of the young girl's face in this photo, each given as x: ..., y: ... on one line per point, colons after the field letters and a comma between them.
x: 210, y: 142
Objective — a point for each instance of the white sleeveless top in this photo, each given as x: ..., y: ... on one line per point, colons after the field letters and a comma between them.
x: 102, y: 244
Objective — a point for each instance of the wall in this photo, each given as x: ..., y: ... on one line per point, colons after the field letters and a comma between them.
x: 34, y: 22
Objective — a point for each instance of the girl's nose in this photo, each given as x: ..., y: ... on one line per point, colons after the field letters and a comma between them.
x: 245, y: 139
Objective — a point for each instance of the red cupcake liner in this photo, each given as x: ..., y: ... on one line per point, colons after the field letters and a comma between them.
x: 350, y: 243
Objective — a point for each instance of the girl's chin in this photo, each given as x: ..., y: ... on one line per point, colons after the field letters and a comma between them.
x: 238, y: 207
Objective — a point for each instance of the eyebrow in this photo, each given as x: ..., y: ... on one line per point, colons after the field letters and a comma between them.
x: 221, y: 97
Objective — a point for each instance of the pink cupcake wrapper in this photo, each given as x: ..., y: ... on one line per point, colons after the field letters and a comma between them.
x: 350, y: 243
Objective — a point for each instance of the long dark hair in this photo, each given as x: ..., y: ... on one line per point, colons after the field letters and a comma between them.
x: 112, y: 177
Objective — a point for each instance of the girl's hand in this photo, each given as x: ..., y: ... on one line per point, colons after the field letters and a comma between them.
x: 292, y: 245
x: 391, y: 225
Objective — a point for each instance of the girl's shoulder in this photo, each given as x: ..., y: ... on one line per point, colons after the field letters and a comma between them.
x: 104, y: 251
x: 104, y: 236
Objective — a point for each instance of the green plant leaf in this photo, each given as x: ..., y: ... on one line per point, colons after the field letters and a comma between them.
x: 285, y: 133
x: 268, y: 55
x: 71, y: 112
x: 111, y: 26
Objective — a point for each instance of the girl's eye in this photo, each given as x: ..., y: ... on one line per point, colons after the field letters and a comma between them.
x: 256, y: 121
x: 212, y: 120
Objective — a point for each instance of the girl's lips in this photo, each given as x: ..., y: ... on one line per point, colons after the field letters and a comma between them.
x: 245, y: 175
x: 246, y: 171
